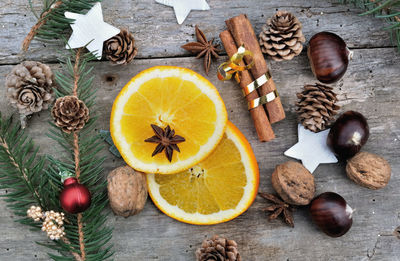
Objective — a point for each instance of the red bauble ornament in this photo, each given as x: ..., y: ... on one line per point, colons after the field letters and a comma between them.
x: 75, y: 197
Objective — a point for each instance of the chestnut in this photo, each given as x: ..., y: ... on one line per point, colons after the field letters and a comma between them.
x: 329, y: 56
x: 330, y: 212
x: 348, y: 134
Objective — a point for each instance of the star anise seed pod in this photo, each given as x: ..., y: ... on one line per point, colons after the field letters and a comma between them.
x: 203, y: 48
x: 278, y: 208
x: 166, y: 140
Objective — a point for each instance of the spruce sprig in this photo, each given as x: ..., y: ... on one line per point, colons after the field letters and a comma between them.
x: 24, y: 180
x: 389, y: 10
x: 87, y: 232
x: 33, y: 180
x: 52, y: 23
x: 20, y: 171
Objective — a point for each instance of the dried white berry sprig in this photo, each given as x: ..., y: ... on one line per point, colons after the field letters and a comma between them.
x: 53, y: 222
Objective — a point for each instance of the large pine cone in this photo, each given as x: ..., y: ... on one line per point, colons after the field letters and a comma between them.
x: 218, y: 249
x: 282, y: 38
x: 317, y: 106
x: 120, y: 49
x: 70, y: 113
x: 30, y: 88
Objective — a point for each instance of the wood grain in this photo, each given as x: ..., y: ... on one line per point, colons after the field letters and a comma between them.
x: 370, y: 86
x: 158, y: 35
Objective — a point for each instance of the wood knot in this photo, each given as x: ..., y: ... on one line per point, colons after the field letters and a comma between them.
x: 110, y: 78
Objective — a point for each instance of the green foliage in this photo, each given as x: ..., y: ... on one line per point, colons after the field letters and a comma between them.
x: 388, y: 10
x: 21, y: 173
x: 56, y: 23
x: 33, y: 180
x: 96, y: 234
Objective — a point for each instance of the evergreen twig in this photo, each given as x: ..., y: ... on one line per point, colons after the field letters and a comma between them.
x: 19, y: 169
x: 21, y: 174
x: 86, y: 231
x: 52, y: 23
x: 76, y: 152
x: 388, y: 10
x: 28, y: 182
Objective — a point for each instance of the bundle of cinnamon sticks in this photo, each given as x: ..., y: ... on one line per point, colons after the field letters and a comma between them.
x: 264, y: 103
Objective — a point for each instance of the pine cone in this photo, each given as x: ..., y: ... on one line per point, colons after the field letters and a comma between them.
x: 316, y: 107
x: 120, y: 49
x: 30, y: 88
x: 282, y: 38
x: 218, y: 249
x: 70, y: 113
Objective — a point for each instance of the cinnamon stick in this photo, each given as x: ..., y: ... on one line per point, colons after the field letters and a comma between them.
x: 260, y: 119
x: 243, y: 33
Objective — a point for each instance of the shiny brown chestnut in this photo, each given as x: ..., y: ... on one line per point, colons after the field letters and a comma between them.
x: 329, y: 56
x: 348, y: 134
x: 330, y: 212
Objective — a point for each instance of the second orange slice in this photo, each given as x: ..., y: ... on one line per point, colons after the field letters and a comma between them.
x: 218, y: 189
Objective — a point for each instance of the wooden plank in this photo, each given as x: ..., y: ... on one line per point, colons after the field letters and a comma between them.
x: 370, y: 86
x: 158, y: 35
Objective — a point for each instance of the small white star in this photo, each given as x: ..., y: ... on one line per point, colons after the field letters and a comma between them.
x: 90, y: 28
x: 311, y: 149
x: 182, y: 8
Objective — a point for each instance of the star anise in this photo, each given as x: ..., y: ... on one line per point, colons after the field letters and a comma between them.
x: 279, y: 207
x: 203, y: 48
x: 166, y: 140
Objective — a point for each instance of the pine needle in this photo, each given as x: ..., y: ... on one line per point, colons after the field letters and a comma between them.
x: 87, y: 233
x: 52, y: 24
x: 33, y: 180
x: 388, y: 10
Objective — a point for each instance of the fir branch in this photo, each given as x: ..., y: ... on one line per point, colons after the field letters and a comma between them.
x: 76, y: 151
x: 52, y: 23
x: 23, y: 171
x: 388, y: 10
x: 19, y: 171
x: 76, y: 74
x: 42, y: 20
x: 88, y: 236
x: 75, y: 255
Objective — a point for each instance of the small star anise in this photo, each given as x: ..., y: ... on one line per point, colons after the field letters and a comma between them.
x: 278, y: 208
x: 203, y: 48
x: 166, y: 140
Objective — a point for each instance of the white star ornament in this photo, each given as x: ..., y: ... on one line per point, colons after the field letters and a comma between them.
x: 90, y: 30
x: 311, y: 149
x: 182, y: 8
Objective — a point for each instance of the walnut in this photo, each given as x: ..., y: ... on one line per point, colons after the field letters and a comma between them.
x: 294, y: 183
x: 127, y: 191
x: 369, y: 170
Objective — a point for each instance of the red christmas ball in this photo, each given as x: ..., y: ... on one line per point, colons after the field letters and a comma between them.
x: 75, y: 197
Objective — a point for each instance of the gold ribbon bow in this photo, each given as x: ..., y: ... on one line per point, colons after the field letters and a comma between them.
x: 232, y: 67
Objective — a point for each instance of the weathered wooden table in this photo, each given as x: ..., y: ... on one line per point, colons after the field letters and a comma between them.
x: 370, y: 86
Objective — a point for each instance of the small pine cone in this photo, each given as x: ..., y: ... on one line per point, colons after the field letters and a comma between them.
x: 218, y: 249
x: 70, y: 113
x: 30, y: 88
x: 282, y: 38
x: 120, y: 49
x: 317, y: 106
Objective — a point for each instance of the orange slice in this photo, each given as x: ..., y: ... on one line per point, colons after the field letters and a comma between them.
x: 167, y: 96
x: 216, y: 190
